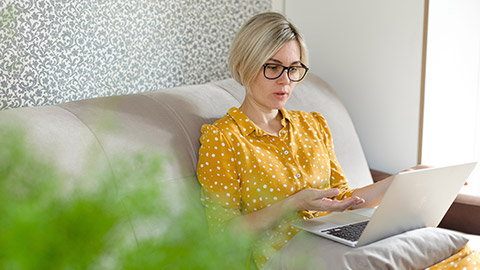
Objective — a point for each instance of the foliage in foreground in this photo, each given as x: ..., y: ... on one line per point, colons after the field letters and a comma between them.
x: 124, y: 220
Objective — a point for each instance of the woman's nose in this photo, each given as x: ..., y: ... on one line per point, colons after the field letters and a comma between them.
x: 284, y: 78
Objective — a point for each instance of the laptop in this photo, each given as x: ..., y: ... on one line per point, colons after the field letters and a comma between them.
x: 415, y: 199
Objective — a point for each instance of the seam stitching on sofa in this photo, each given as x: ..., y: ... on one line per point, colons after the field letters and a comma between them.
x: 91, y: 132
x: 176, y: 115
x: 108, y: 161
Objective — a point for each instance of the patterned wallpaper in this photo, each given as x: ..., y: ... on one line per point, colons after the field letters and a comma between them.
x: 54, y: 51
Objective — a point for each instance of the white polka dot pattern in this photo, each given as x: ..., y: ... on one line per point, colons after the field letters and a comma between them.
x: 243, y: 169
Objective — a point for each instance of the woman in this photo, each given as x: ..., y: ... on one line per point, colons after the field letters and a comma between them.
x: 260, y: 163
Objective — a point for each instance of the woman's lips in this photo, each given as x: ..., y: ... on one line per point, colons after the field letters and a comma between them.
x: 281, y: 94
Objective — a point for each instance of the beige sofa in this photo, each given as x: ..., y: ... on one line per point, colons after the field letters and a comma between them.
x: 168, y: 121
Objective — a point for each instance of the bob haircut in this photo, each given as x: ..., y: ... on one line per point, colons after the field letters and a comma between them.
x: 257, y: 41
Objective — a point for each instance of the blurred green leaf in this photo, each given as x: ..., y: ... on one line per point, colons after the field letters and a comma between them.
x: 130, y: 219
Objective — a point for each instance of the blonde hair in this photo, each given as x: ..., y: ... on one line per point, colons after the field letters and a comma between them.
x: 257, y: 41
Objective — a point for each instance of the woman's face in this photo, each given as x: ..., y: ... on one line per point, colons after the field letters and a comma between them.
x: 268, y: 94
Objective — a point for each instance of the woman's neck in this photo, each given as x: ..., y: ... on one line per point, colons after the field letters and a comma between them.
x: 268, y: 120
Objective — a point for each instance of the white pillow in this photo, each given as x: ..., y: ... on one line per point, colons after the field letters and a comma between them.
x: 417, y: 249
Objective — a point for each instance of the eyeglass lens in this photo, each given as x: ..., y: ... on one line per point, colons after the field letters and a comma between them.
x: 274, y: 71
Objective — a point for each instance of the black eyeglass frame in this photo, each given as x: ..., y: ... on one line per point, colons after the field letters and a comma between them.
x: 284, y: 68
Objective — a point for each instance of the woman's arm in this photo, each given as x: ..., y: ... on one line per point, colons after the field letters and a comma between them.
x: 373, y: 194
x: 315, y: 200
x: 307, y: 199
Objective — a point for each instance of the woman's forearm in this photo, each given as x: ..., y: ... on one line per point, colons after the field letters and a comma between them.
x: 373, y: 194
x: 306, y: 199
x: 310, y: 199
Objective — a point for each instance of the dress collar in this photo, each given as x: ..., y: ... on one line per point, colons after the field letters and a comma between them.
x: 247, y: 126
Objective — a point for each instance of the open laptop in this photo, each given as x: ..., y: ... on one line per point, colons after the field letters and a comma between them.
x: 415, y: 199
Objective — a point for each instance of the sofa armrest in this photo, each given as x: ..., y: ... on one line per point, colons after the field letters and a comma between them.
x: 378, y: 175
x: 463, y: 215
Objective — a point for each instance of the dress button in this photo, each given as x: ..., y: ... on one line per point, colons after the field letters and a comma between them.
x: 286, y: 152
x: 284, y: 131
x: 298, y: 175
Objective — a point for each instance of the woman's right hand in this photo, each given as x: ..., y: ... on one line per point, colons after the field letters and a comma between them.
x: 321, y: 200
x: 307, y: 199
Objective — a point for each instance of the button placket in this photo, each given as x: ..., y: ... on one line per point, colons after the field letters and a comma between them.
x: 283, y: 132
x: 291, y: 160
x: 298, y: 177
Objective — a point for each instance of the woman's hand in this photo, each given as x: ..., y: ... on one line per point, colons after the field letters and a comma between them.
x: 307, y: 199
x: 320, y: 200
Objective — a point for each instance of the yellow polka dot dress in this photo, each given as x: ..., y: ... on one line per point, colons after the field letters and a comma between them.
x: 465, y: 259
x: 243, y: 169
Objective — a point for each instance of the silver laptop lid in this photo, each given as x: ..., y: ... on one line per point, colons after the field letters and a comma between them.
x: 416, y: 199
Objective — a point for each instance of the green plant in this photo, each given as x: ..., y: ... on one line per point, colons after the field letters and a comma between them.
x: 122, y: 217
x: 8, y: 16
x: 8, y: 19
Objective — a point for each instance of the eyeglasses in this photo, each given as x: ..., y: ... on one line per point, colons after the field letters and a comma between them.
x: 294, y: 73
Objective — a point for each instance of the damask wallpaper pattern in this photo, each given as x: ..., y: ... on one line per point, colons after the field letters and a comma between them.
x: 54, y: 51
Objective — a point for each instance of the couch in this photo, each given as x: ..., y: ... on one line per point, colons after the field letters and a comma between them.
x: 168, y: 121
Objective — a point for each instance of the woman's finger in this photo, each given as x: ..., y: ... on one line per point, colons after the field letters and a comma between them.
x: 338, y: 205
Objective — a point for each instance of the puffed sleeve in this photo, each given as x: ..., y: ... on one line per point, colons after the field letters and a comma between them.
x: 217, y: 174
x: 337, y: 176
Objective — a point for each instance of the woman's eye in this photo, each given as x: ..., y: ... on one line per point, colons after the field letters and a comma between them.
x: 273, y: 68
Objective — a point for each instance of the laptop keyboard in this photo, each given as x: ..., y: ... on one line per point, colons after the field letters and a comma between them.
x: 349, y: 232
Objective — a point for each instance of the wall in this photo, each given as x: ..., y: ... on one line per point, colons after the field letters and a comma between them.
x: 278, y: 6
x: 54, y: 51
x: 370, y: 51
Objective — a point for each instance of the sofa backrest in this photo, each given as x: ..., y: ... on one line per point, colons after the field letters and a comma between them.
x: 168, y: 122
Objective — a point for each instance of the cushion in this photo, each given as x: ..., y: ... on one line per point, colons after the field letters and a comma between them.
x: 416, y: 249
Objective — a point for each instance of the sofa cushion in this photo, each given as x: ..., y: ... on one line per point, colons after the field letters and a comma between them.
x: 416, y: 249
